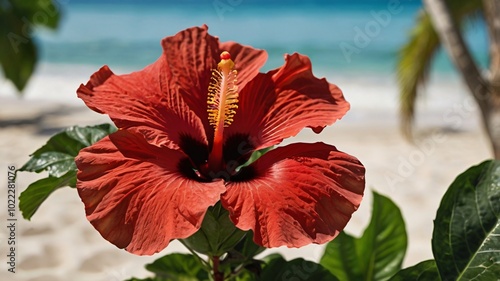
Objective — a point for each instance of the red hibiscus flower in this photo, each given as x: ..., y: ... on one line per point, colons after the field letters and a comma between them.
x: 186, y: 125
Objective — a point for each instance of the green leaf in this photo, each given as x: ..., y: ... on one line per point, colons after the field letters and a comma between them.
x: 378, y: 254
x: 37, y: 13
x: 384, y: 242
x: 466, y: 237
x: 278, y: 268
x: 57, y: 157
x: 242, y: 256
x: 56, y: 163
x: 37, y: 192
x: 256, y: 155
x: 19, y: 55
x: 182, y: 267
x: 340, y: 258
x: 217, y: 234
x: 245, y: 276
x: 423, y: 271
x: 246, y: 248
x: 18, y: 18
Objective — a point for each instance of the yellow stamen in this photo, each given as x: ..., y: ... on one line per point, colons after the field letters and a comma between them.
x: 222, y: 103
x: 222, y: 92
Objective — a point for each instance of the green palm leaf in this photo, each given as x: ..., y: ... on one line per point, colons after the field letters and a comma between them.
x: 415, y: 59
x: 416, y: 56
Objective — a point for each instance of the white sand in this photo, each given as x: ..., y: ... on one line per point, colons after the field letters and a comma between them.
x: 59, y: 243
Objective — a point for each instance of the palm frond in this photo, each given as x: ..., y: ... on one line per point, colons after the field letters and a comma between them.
x: 416, y: 56
x: 415, y: 59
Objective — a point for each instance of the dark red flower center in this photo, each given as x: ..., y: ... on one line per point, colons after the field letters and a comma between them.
x: 236, y: 151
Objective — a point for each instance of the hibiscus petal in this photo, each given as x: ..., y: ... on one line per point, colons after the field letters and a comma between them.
x: 280, y: 103
x: 191, y: 55
x: 141, y: 101
x: 296, y: 195
x: 140, y: 197
x: 248, y: 61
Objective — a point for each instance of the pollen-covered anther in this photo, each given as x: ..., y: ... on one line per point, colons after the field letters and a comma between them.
x: 222, y: 93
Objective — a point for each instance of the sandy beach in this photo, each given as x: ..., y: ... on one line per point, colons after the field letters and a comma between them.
x: 59, y: 243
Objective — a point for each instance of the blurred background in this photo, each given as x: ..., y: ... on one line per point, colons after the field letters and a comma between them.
x: 342, y: 38
x: 354, y: 44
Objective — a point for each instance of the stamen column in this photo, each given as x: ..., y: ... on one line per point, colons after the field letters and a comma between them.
x: 222, y: 102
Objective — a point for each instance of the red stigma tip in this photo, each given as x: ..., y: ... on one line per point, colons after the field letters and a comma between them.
x: 225, y: 56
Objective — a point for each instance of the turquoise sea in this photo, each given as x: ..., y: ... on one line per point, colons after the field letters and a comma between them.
x: 340, y: 37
